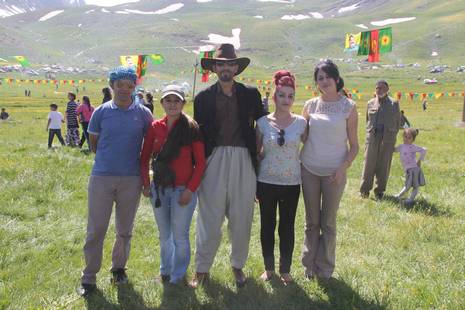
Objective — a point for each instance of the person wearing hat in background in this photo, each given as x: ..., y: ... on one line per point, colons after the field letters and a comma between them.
x: 116, y: 131
x: 139, y: 99
x: 226, y: 113
x: 149, y: 101
x: 383, y: 119
x: 174, y: 143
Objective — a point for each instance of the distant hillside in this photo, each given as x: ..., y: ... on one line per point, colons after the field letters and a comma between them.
x: 273, y: 34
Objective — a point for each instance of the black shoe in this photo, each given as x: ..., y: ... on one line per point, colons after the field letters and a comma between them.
x: 364, y: 194
x: 239, y: 277
x: 379, y: 196
x: 163, y: 279
x: 119, y: 276
x: 86, y: 289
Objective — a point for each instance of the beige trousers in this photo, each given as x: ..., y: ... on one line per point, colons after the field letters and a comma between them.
x: 378, y: 157
x: 321, y: 198
x: 103, y: 192
x: 227, y: 190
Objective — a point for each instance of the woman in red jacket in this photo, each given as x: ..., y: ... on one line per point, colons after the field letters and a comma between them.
x: 178, y: 164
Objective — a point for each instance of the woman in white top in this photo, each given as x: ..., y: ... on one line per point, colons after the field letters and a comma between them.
x: 279, y: 135
x: 331, y: 147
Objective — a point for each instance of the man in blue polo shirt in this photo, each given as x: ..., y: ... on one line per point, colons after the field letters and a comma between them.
x: 116, y: 131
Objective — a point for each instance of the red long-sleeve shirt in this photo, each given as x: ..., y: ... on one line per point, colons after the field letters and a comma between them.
x: 186, y: 173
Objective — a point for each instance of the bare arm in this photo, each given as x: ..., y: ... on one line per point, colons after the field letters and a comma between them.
x: 48, y: 124
x: 352, y: 125
x: 93, y: 142
x: 304, y: 136
x: 259, y: 142
x: 305, y: 112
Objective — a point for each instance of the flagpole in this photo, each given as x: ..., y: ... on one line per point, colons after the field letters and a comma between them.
x: 195, y: 77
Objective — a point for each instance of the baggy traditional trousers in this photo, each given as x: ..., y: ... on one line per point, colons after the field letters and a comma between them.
x: 227, y: 190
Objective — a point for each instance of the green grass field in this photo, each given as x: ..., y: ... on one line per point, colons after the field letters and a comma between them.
x: 388, y: 255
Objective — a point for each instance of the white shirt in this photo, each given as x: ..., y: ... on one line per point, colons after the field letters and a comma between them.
x: 55, y: 120
x: 326, y: 146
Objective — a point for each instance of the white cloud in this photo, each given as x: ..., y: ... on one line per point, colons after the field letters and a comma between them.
x: 50, y: 15
x: 258, y: 16
x: 203, y: 1
x: 109, y: 3
x: 362, y: 26
x: 392, y: 21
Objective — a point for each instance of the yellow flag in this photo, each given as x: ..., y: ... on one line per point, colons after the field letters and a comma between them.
x: 129, y: 60
x: 352, y: 42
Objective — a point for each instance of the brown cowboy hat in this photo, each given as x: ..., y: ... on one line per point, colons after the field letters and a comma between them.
x: 225, y: 52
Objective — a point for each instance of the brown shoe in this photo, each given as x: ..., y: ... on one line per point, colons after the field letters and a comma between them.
x: 200, y: 278
x: 239, y: 276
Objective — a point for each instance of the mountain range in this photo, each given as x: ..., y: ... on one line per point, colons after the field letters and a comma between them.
x: 273, y: 33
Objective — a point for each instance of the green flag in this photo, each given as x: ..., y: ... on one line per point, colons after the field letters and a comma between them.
x: 364, y: 48
x: 385, y: 40
x: 157, y: 59
x: 22, y: 60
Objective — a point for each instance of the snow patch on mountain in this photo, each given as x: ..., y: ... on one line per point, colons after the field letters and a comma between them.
x: 295, y: 17
x: 348, y: 8
x: 109, y: 3
x: 390, y: 21
x: 278, y: 1
x: 316, y: 15
x: 50, y: 15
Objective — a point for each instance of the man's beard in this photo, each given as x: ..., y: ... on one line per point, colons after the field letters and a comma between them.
x: 225, y: 76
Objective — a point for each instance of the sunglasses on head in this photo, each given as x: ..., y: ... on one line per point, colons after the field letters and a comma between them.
x: 281, y: 140
x: 230, y: 63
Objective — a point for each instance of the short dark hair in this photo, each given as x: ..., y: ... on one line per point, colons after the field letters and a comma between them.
x: 331, y: 69
x: 54, y: 106
x: 72, y: 94
x: 382, y: 82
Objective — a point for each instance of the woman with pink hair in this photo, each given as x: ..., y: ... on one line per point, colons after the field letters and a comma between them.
x: 279, y: 135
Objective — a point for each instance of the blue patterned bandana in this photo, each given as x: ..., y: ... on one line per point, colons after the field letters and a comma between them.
x: 123, y: 73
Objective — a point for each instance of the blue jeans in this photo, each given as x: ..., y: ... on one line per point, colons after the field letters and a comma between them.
x: 173, y: 222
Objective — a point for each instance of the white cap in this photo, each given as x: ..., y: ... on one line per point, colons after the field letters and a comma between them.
x: 173, y: 89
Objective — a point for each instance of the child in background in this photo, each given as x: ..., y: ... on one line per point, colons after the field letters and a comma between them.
x: 55, y: 119
x: 413, y: 174
x: 4, y: 114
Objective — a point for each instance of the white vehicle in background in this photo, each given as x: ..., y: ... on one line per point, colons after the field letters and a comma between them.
x: 430, y: 81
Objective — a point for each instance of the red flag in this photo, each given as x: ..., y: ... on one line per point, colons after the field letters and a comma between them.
x: 374, y: 47
x: 205, y: 73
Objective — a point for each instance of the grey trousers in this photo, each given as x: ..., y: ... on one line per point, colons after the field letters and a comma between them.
x: 378, y: 157
x: 227, y: 190
x: 321, y: 198
x: 103, y: 192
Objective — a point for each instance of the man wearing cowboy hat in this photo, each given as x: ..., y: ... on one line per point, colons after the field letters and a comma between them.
x: 226, y: 113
